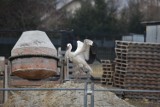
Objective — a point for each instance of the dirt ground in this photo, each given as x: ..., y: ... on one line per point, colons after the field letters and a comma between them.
x: 63, y: 98
x: 135, y: 102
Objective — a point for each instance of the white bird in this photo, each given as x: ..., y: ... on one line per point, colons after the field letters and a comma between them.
x: 80, y: 55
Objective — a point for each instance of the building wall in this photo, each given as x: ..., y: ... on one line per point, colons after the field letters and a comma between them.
x: 133, y: 37
x: 153, y: 33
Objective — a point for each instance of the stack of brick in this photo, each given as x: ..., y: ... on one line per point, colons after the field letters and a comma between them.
x: 138, y: 67
x: 108, y: 71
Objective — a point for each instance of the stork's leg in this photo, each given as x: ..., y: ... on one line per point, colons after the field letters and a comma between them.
x: 89, y: 69
x: 80, y: 74
x: 76, y: 74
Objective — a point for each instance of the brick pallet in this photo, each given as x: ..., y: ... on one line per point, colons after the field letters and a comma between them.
x: 137, y: 67
x: 108, y: 70
x: 151, y: 96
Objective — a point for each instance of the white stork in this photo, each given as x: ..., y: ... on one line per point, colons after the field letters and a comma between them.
x: 80, y: 55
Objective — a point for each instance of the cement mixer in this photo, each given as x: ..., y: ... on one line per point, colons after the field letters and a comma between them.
x: 34, y: 57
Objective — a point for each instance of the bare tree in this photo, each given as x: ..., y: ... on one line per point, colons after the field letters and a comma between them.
x: 150, y: 9
x: 29, y: 14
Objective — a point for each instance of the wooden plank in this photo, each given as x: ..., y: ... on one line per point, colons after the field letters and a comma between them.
x: 141, y: 48
x: 144, y: 75
x: 131, y: 43
x: 142, y: 82
x: 144, y: 79
x: 137, y: 60
x: 119, y: 85
x: 119, y: 76
x: 124, y: 68
x: 133, y: 54
x: 106, y: 65
x: 107, y: 69
x: 108, y: 72
x: 107, y: 76
x: 142, y: 96
x: 107, y: 79
x: 142, y: 87
x: 142, y: 65
x: 105, y: 61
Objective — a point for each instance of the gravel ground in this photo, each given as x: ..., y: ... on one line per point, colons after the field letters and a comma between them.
x: 63, y: 98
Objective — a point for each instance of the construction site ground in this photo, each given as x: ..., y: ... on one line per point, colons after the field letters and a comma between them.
x: 115, y: 102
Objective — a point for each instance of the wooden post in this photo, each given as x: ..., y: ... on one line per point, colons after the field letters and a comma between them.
x: 5, y: 84
x: 62, y: 72
x: 2, y: 72
x: 67, y: 70
x: 60, y: 64
x: 64, y: 65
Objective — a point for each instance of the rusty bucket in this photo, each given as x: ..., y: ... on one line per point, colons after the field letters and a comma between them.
x: 34, y: 57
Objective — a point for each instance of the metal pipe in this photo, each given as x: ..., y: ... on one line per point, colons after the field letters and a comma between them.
x: 41, y: 89
x: 74, y: 89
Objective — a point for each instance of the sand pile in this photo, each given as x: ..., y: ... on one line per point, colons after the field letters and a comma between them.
x: 63, y: 98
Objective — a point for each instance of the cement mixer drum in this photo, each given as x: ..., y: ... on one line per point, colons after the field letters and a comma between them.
x: 34, y: 57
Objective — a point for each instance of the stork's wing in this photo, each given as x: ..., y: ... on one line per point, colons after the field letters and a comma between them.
x: 79, y: 47
x: 83, y: 48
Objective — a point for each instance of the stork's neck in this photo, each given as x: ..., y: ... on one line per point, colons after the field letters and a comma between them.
x: 70, y: 48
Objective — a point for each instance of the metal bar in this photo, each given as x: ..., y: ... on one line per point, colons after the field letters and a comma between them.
x: 85, y: 94
x: 92, y: 95
x: 74, y: 89
x: 125, y: 90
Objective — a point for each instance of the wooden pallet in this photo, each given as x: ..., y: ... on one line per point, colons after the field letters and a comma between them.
x: 137, y: 44
x: 140, y: 95
x: 108, y: 71
x: 145, y: 49
x: 137, y: 66
x: 105, y: 61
